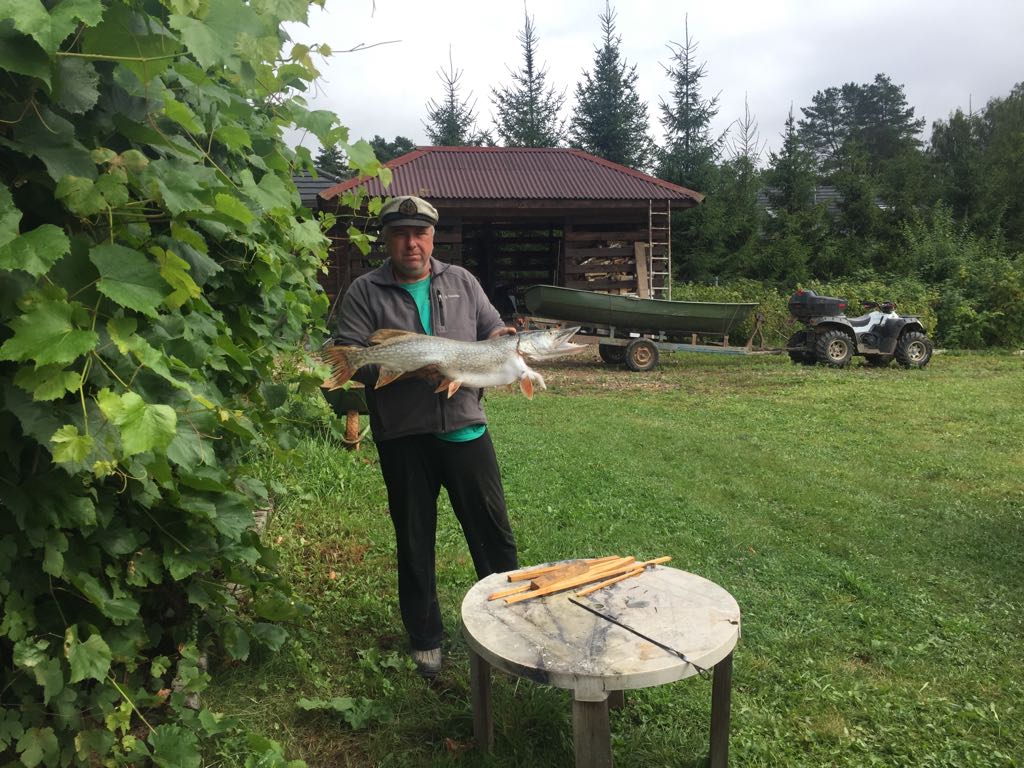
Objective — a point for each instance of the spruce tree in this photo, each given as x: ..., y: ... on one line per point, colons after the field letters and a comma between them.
x: 689, y: 158
x: 610, y: 119
x: 332, y: 160
x: 452, y: 121
x: 796, y: 242
x: 690, y: 151
x: 386, y: 150
x: 528, y: 110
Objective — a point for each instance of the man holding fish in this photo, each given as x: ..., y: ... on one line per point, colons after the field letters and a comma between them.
x: 435, y: 341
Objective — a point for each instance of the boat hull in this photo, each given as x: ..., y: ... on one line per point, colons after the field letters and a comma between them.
x: 632, y: 314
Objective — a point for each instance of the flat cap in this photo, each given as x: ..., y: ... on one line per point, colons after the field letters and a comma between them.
x: 408, y: 211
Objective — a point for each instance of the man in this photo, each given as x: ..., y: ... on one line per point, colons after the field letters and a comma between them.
x: 426, y: 440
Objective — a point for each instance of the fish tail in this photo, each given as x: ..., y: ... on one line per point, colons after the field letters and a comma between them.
x: 342, y: 367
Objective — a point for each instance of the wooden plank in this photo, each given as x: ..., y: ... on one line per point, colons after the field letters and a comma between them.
x: 601, y: 285
x: 588, y: 269
x: 643, y: 287
x: 629, y: 235
x: 591, y: 253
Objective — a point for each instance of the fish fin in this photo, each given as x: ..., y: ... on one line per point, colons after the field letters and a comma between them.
x: 341, y: 368
x: 386, y: 376
x: 442, y: 386
x: 385, y: 335
x: 453, y: 387
x: 526, y: 385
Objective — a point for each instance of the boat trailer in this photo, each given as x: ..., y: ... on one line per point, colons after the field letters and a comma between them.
x: 641, y: 350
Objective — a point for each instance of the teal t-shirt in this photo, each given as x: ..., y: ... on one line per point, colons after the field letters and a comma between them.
x: 420, y: 292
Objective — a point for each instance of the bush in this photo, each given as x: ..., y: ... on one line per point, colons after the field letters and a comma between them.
x: 155, y: 267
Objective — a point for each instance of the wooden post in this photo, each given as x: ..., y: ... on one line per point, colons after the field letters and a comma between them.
x: 616, y: 699
x: 480, y: 696
x: 591, y: 734
x: 721, y: 693
x: 352, y: 430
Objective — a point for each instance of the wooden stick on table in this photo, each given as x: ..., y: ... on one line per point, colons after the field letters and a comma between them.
x: 594, y: 574
x: 634, y: 572
x: 529, y: 573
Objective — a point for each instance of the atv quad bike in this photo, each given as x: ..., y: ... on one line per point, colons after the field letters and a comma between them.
x: 831, y: 338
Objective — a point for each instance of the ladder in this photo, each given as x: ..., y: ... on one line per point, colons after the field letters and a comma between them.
x: 659, y: 251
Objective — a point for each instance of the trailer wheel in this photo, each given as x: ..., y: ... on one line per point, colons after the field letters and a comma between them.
x: 641, y: 355
x: 612, y: 354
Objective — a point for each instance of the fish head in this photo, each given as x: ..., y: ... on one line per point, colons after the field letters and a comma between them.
x: 547, y: 344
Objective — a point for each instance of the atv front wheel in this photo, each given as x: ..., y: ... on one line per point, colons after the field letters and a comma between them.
x: 914, y: 350
x: 834, y: 349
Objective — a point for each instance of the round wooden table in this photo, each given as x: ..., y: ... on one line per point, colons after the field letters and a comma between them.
x: 690, y: 624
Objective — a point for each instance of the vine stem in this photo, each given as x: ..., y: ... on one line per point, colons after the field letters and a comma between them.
x: 106, y: 57
x: 131, y: 703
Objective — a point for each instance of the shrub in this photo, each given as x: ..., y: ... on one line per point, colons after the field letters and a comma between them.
x: 154, y: 265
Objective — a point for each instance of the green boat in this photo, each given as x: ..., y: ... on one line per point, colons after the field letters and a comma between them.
x: 627, y: 313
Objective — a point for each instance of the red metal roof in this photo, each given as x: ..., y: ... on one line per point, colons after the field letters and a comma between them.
x: 515, y: 173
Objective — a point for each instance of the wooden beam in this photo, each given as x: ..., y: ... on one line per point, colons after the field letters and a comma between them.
x: 599, y: 269
x: 599, y: 253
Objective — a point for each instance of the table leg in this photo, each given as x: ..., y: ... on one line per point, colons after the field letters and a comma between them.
x: 721, y: 693
x: 616, y: 699
x: 480, y: 695
x: 591, y: 734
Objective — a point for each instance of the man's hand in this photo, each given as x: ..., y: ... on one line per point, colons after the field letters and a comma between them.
x: 508, y: 330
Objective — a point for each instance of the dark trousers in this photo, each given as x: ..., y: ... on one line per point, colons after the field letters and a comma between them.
x: 414, y: 470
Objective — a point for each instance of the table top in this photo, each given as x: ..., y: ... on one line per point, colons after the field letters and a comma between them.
x: 551, y: 640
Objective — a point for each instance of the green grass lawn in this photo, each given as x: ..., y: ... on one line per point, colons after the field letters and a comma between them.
x: 870, y: 523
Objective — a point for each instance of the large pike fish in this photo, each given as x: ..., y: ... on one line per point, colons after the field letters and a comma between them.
x: 471, y: 363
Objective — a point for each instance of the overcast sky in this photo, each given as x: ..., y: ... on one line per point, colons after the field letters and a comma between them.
x: 777, y: 53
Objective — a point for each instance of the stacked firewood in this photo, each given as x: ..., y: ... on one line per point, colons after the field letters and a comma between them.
x: 592, y: 575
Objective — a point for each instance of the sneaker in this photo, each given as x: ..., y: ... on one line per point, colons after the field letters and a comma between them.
x: 428, y: 663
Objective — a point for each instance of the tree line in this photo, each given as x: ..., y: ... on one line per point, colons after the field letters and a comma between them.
x: 856, y: 190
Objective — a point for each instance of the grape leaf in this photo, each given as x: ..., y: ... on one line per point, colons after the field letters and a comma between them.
x: 70, y: 446
x: 50, y: 28
x: 88, y: 660
x: 174, y: 271
x: 233, y: 207
x: 80, y: 195
x: 174, y: 747
x: 129, y: 278
x: 77, y: 88
x: 361, y: 158
x: 10, y: 216
x: 233, y: 137
x: 38, y: 745
x: 51, y: 677
x: 20, y: 53
x: 124, y: 33
x: 35, y: 251
x: 46, y: 334
x: 47, y: 382
x: 144, y: 426
x: 212, y: 39
x: 182, y: 115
